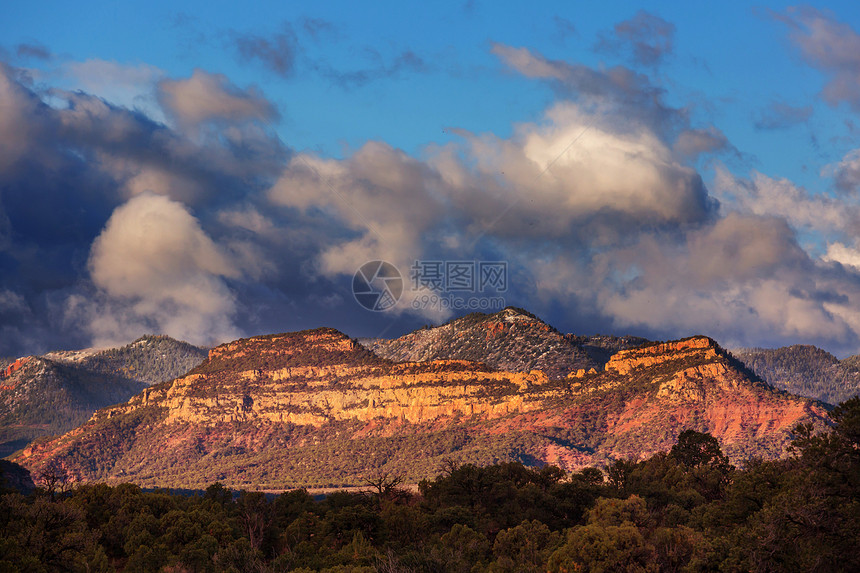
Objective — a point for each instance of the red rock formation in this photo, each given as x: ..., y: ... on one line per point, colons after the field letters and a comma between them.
x: 317, y: 379
x: 15, y: 366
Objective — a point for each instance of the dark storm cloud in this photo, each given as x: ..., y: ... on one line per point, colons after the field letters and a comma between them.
x: 779, y: 115
x: 68, y: 168
x: 647, y: 38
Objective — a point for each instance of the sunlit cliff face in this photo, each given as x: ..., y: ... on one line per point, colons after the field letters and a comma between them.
x: 317, y: 379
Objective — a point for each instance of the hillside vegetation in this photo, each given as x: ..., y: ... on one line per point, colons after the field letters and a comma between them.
x: 806, y: 371
x: 45, y: 398
x: 150, y: 359
x: 52, y: 394
x: 512, y: 339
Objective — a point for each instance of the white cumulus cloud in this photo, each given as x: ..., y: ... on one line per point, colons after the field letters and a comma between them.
x: 155, y: 261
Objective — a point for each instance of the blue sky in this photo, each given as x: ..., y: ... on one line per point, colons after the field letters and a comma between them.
x: 211, y: 170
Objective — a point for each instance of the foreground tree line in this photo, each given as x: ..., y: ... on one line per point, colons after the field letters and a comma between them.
x: 685, y: 510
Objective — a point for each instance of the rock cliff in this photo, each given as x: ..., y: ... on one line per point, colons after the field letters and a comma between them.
x: 317, y: 408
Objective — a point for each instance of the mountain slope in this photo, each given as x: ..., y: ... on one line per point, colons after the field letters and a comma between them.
x: 511, y: 339
x: 43, y: 397
x: 150, y: 359
x: 51, y: 394
x: 315, y: 408
x: 806, y: 371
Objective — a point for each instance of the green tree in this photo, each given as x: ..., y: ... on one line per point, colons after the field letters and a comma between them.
x: 462, y: 548
x: 524, y: 548
x: 812, y: 523
x: 696, y: 449
x: 597, y: 548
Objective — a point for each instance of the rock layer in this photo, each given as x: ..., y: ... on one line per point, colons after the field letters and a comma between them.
x: 265, y: 410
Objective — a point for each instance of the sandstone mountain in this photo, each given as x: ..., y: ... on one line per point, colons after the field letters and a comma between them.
x: 806, y: 371
x: 315, y: 408
x: 51, y: 394
x: 511, y: 339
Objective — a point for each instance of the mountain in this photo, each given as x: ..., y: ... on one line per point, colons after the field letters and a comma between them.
x: 511, y: 339
x: 51, y: 394
x: 806, y: 371
x: 150, y: 359
x: 315, y: 408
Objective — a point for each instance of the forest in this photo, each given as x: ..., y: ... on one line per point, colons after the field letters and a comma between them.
x: 684, y: 510
x: 806, y: 371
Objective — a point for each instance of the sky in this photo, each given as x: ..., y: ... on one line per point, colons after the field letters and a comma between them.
x: 216, y: 170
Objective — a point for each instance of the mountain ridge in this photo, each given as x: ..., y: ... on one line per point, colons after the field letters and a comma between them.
x: 316, y: 408
x: 55, y: 392
x: 805, y: 370
x: 512, y: 339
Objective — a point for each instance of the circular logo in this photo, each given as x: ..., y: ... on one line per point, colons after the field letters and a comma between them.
x: 377, y: 285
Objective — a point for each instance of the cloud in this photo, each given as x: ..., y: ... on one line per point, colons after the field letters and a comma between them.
x: 34, y: 50
x: 23, y: 119
x: 154, y: 258
x: 12, y: 303
x: 692, y: 143
x: 84, y: 157
x: 316, y: 28
x: 846, y: 173
x: 648, y: 38
x: 38, y: 167
x: 572, y: 181
x: 283, y: 53
x: 388, y: 202
x: 780, y: 115
x: 564, y: 28
x: 209, y: 226
x: 741, y: 248
x: 766, y: 196
x: 123, y: 85
x: 206, y: 97
x: 404, y: 62
x: 843, y: 254
x: 16, y: 318
x: 277, y: 53
x: 830, y: 46
x: 741, y: 278
x: 617, y: 92
x: 574, y: 175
